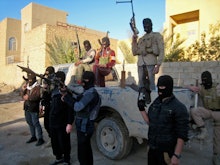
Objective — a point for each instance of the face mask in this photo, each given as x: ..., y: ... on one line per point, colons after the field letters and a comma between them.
x: 147, y: 24
x: 31, y: 79
x: 31, y: 82
x: 87, y: 84
x: 206, y: 80
x: 163, y: 93
x: 165, y: 86
x: 88, y: 79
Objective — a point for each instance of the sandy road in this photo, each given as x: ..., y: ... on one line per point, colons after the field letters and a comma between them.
x: 14, y: 151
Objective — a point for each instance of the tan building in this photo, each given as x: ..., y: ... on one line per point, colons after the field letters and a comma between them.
x: 23, y: 42
x: 191, y: 18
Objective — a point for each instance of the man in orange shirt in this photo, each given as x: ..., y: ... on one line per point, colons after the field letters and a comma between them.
x: 104, y: 61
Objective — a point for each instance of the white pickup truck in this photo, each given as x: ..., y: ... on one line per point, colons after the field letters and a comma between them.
x: 119, y: 121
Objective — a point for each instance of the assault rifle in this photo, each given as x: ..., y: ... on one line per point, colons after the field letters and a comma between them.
x: 132, y: 21
x: 78, y: 46
x: 55, y: 81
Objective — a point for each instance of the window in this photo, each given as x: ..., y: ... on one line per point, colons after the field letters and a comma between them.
x: 12, y: 43
x: 26, y: 27
x: 10, y: 59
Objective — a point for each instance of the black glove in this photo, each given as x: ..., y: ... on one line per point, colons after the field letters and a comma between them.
x: 141, y: 105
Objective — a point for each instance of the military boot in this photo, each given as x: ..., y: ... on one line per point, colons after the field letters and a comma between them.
x: 203, y: 133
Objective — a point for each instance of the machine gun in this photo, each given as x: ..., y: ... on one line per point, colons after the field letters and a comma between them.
x: 132, y: 21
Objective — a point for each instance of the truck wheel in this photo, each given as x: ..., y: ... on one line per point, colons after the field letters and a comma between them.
x: 112, y: 138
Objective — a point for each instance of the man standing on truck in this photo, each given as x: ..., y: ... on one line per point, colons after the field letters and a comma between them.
x: 210, y: 94
x: 104, y: 61
x: 150, y: 51
x: 168, y: 121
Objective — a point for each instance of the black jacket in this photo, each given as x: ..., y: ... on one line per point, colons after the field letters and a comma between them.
x: 169, y: 120
x: 60, y: 113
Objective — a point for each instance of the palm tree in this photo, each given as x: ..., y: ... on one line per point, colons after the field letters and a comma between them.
x: 61, y: 51
x: 126, y: 50
x: 173, y: 50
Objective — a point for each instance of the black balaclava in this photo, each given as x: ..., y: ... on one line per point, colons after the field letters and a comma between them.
x: 166, y: 81
x: 206, y: 78
x: 49, y: 73
x: 88, y: 79
x: 106, y: 41
x: 60, y: 76
x: 50, y: 70
x: 87, y: 45
x: 147, y: 24
x: 31, y: 79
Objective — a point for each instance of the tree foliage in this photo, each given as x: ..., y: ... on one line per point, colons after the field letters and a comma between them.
x: 174, y: 51
x: 61, y: 51
x: 206, y: 49
x: 126, y: 50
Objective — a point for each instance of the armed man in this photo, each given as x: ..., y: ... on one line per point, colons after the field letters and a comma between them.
x: 209, y: 91
x: 150, y: 51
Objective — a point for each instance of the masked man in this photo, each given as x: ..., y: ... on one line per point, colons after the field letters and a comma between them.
x: 61, y: 118
x: 87, y: 61
x: 168, y: 121
x: 210, y: 96
x: 104, y: 61
x: 150, y: 51
x: 46, y: 88
x: 83, y: 107
x: 31, y: 97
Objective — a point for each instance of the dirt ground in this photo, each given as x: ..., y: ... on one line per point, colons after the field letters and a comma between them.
x: 14, y: 133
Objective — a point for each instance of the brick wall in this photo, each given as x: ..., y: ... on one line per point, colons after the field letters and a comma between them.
x: 183, y: 73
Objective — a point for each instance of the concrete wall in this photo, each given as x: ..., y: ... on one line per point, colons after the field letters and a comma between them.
x: 192, y: 25
x: 183, y: 73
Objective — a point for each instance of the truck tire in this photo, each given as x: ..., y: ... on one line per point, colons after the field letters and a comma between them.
x: 112, y: 138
